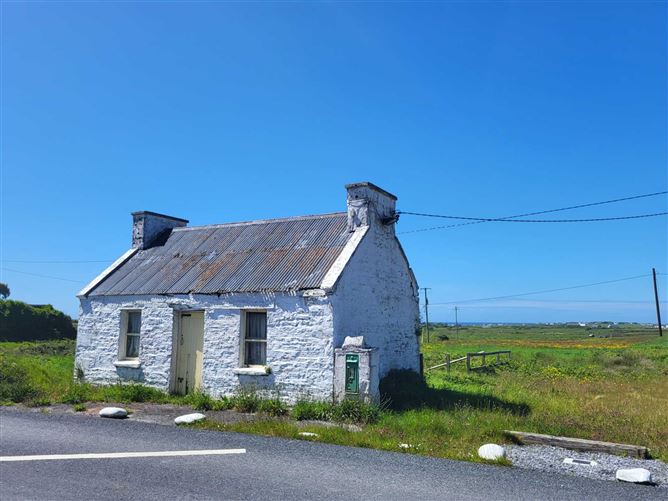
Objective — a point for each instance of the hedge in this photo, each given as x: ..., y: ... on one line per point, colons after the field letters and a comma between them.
x: 20, y: 321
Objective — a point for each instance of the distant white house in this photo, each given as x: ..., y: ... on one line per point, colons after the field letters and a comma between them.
x: 262, y: 303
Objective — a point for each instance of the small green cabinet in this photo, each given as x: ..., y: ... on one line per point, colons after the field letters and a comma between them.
x: 352, y: 373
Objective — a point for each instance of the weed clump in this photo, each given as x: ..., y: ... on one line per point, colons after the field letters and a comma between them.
x: 14, y: 383
x: 348, y: 411
x: 133, y: 393
x: 310, y: 410
x: 77, y: 393
x: 79, y: 407
x: 355, y: 411
x: 246, y: 400
x: 200, y: 401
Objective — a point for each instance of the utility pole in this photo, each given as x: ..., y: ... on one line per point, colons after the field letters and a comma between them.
x: 656, y: 300
x: 456, y: 323
x: 426, y: 309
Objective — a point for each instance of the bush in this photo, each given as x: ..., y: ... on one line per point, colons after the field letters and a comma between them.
x: 23, y: 322
x: 14, y: 384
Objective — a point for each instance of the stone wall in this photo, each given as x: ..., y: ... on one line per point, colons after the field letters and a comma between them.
x: 376, y: 297
x: 300, y: 351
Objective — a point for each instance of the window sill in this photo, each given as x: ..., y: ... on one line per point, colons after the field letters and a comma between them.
x: 252, y: 371
x: 132, y: 364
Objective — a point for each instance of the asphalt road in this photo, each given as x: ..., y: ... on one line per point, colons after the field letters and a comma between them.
x: 271, y: 468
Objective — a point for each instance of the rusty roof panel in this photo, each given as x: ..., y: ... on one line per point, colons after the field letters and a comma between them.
x: 274, y: 255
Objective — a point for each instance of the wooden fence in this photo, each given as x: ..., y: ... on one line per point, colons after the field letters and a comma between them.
x: 484, y: 354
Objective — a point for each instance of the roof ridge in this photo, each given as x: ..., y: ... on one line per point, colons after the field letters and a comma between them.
x: 258, y: 221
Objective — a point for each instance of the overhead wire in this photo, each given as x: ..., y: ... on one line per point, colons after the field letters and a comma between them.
x: 547, y: 211
x: 43, y: 276
x: 507, y: 220
x: 544, y: 291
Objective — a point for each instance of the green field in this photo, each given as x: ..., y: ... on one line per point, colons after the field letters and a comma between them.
x: 612, y: 386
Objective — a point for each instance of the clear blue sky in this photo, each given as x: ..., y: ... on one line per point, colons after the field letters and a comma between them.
x: 220, y: 112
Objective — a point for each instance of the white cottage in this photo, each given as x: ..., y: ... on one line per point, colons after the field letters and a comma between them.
x: 315, y: 306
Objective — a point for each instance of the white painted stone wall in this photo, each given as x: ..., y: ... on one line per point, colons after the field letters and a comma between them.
x: 377, y: 297
x: 300, y: 351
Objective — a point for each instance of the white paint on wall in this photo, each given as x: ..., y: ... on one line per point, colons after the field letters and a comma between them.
x: 377, y: 297
x: 300, y: 350
x: 370, y: 291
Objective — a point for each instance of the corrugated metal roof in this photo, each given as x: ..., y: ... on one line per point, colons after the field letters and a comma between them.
x: 259, y: 256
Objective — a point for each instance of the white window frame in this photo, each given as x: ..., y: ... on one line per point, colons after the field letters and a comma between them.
x: 243, y: 340
x: 122, y: 344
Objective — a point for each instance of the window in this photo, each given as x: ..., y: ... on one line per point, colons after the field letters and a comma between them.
x: 255, y: 338
x: 130, y: 339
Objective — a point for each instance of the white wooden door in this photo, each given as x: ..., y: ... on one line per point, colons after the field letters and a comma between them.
x: 190, y: 352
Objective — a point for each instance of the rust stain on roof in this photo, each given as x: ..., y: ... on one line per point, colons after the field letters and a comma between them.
x: 259, y: 256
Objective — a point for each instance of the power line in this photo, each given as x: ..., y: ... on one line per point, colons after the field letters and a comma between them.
x: 44, y: 276
x: 580, y: 206
x: 507, y: 220
x: 509, y: 296
x: 586, y: 301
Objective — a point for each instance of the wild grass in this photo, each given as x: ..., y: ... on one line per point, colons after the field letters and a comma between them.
x: 348, y: 411
x: 559, y: 381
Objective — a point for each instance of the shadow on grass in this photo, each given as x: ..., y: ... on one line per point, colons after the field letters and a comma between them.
x: 405, y: 390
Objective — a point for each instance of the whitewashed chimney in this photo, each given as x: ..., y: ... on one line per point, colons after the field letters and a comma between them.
x: 370, y: 205
x: 150, y: 228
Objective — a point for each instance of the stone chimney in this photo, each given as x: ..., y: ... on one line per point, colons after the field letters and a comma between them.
x: 150, y: 229
x: 369, y: 205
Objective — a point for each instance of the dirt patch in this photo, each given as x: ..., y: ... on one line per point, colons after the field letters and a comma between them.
x: 165, y: 414
x: 145, y: 412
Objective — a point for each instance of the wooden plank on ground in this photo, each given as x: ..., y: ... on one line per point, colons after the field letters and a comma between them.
x: 578, y: 444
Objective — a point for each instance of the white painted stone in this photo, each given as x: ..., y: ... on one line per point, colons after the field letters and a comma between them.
x: 373, y: 294
x: 308, y: 434
x: 189, y: 418
x: 634, y: 475
x: 583, y: 462
x: 353, y: 341
x: 492, y: 452
x: 300, y: 349
x: 376, y: 296
x: 113, y: 412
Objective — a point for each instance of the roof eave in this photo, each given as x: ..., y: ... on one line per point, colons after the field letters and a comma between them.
x: 110, y: 269
x: 335, y: 271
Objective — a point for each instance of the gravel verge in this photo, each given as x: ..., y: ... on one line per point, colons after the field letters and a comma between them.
x: 551, y: 459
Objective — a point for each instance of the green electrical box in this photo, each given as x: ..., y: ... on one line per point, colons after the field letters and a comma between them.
x: 352, y: 373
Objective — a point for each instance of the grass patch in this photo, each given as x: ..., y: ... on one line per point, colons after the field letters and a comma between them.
x: 612, y: 386
x: 348, y: 411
